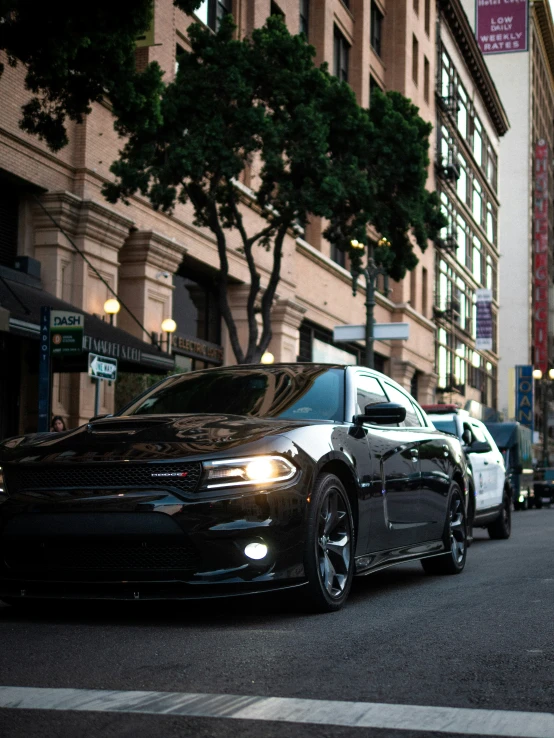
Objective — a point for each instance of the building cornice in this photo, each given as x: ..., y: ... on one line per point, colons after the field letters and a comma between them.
x: 545, y: 24
x: 458, y: 23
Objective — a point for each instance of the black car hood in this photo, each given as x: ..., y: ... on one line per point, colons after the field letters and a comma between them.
x: 142, y: 438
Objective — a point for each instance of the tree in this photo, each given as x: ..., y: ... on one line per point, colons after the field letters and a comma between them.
x: 262, y: 101
x: 76, y: 54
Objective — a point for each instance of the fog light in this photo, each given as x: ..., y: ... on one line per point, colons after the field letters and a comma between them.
x: 255, y: 550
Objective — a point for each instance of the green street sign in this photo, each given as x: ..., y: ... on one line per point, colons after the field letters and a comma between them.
x: 102, y: 367
x: 66, y: 332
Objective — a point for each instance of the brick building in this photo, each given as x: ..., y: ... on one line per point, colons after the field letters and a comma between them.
x: 163, y: 266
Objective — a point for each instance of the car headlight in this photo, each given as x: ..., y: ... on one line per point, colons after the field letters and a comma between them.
x: 252, y: 470
x: 3, y: 490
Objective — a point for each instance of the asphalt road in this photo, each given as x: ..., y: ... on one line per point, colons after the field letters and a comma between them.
x: 483, y: 640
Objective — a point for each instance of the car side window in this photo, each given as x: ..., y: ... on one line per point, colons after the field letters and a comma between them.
x: 412, y: 420
x: 478, y: 434
x: 368, y: 392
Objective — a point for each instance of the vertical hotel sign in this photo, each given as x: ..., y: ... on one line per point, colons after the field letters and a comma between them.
x: 524, y: 395
x: 502, y: 26
x: 540, y: 257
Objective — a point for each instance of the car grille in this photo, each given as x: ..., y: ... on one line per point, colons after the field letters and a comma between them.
x: 101, y: 557
x: 102, y: 476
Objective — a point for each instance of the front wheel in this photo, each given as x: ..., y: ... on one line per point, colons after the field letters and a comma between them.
x: 502, y: 526
x: 455, y: 539
x: 329, y: 549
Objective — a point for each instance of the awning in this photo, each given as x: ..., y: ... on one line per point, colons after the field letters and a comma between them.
x: 23, y: 297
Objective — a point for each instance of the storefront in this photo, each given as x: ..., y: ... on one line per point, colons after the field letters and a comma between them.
x: 21, y: 299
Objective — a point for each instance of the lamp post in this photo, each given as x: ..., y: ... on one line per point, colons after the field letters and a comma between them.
x: 112, y: 307
x: 545, y: 387
x: 371, y: 271
x: 169, y: 326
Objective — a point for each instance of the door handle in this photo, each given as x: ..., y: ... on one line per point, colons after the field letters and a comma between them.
x: 486, y: 463
x: 445, y: 449
x: 414, y: 454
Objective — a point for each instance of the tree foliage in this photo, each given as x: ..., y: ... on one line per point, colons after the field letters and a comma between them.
x: 316, y: 152
x: 76, y: 54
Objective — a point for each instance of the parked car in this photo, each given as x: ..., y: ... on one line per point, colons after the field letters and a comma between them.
x: 543, y: 486
x: 515, y: 444
x: 491, y: 500
x: 232, y: 481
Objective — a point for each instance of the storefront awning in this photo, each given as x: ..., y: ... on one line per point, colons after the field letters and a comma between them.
x: 23, y: 297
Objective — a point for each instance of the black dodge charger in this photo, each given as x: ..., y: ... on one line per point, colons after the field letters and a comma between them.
x: 232, y: 481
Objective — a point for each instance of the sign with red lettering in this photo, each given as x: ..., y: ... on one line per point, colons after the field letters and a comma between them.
x: 540, y: 257
x: 502, y: 26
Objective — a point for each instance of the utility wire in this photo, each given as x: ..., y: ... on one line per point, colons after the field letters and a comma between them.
x: 95, y: 270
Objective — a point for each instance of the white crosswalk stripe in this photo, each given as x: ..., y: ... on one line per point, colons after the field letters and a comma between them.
x: 505, y: 723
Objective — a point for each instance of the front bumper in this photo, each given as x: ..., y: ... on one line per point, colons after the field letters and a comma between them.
x: 151, y: 545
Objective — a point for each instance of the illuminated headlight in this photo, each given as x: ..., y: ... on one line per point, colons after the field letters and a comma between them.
x: 3, y: 491
x: 253, y: 470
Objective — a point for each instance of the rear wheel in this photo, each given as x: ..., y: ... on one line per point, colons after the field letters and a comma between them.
x: 502, y: 526
x: 455, y: 539
x: 329, y: 550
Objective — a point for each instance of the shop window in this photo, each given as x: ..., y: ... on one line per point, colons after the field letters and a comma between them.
x: 376, y: 28
x: 341, y: 56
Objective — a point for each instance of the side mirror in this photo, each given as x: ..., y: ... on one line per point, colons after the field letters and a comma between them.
x: 467, y: 437
x: 480, y: 447
x: 382, y: 413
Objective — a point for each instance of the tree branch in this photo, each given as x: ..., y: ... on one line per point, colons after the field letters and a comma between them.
x: 269, y: 294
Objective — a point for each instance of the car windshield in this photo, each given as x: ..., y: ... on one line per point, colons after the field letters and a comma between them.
x: 447, y: 426
x: 311, y: 392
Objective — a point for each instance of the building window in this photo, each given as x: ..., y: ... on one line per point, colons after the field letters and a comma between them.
x: 416, y: 7
x: 211, y: 12
x: 426, y: 73
x: 276, y: 10
x: 9, y: 206
x: 305, y: 17
x: 424, y: 288
x: 338, y: 256
x: 415, y: 59
x: 478, y: 141
x: 376, y: 28
x: 373, y: 85
x: 413, y: 289
x: 179, y: 51
x: 341, y: 55
x: 427, y: 16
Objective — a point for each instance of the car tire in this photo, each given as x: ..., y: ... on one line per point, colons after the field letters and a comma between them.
x: 455, y: 538
x: 470, y: 517
x: 502, y: 527
x: 329, y: 547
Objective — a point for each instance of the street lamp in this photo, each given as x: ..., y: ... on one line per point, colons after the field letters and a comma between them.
x: 169, y: 326
x: 545, y: 387
x: 267, y: 358
x: 112, y: 307
x: 371, y: 271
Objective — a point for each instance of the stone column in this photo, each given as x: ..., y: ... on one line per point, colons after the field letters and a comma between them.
x: 427, y: 385
x: 403, y: 372
x: 147, y: 261
x: 286, y: 318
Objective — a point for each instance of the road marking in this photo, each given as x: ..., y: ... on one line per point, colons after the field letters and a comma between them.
x: 508, y: 724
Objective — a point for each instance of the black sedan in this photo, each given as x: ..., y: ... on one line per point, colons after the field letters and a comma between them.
x: 232, y: 481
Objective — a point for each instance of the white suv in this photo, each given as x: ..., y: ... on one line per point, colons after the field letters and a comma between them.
x: 492, y: 503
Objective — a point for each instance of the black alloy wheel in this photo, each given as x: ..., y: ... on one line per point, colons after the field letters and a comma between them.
x: 501, y: 528
x: 329, y: 551
x: 455, y: 538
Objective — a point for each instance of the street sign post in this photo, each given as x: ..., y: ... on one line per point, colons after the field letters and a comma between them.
x: 44, y: 375
x: 101, y: 368
x: 381, y: 332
